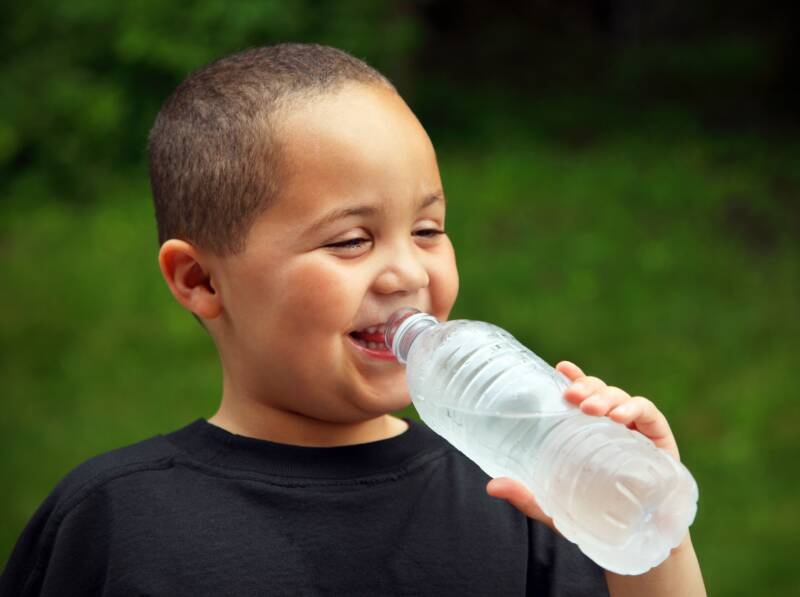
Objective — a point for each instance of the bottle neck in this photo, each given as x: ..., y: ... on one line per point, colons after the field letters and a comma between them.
x: 407, y: 332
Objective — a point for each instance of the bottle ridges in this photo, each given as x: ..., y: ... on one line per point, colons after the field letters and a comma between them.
x: 609, y: 489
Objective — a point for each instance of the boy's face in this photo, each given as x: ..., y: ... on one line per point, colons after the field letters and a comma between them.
x: 291, y: 299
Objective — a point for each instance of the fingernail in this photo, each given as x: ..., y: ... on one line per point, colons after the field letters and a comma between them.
x: 578, y: 387
x: 622, y: 410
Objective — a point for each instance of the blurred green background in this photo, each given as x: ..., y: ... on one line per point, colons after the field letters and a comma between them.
x: 623, y: 186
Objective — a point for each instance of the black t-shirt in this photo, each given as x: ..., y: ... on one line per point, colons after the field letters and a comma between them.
x: 202, y: 511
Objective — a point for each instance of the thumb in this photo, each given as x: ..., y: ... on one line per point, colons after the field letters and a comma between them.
x: 516, y: 494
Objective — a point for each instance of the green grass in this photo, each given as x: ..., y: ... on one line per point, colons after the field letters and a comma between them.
x: 663, y: 261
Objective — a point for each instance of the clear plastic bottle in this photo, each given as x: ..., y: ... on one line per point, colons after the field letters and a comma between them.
x: 609, y: 489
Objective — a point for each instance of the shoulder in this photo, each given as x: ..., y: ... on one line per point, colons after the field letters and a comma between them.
x: 150, y: 454
x: 75, y: 518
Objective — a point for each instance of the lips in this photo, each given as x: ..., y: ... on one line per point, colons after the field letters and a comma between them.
x: 370, y: 341
x: 371, y: 350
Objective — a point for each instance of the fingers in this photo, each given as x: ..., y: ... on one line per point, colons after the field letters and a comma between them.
x: 591, y: 393
x: 571, y: 370
x: 642, y: 411
x: 583, y: 387
x: 642, y: 415
x: 516, y: 494
x: 596, y: 398
x: 604, y: 400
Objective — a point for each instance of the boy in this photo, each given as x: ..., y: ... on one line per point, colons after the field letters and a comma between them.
x: 299, y: 204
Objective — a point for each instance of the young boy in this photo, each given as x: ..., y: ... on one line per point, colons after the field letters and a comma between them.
x: 299, y: 204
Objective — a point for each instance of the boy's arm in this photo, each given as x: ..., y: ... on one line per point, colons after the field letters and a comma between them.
x: 61, y: 552
x: 680, y: 573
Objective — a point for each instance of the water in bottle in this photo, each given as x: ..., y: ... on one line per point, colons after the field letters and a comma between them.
x: 609, y: 489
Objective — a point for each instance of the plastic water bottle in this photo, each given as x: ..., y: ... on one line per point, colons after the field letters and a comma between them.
x: 608, y: 489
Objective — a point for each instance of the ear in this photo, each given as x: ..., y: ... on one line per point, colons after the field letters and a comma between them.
x: 188, y: 279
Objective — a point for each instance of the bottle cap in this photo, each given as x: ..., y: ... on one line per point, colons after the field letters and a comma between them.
x: 400, y: 322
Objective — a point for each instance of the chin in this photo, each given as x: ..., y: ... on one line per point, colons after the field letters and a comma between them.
x: 389, y: 401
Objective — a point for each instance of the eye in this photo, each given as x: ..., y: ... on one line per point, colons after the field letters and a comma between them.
x: 353, y: 243
x: 430, y: 232
x: 357, y: 243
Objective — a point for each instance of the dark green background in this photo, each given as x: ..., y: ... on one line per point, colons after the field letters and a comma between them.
x: 623, y: 188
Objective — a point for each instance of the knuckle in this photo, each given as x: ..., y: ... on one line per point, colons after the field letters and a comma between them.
x: 593, y: 381
x: 617, y: 392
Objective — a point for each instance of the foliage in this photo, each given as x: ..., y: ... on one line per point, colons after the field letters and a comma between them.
x: 83, y: 80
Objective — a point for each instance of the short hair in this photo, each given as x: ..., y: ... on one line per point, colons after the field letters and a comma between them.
x: 213, y: 156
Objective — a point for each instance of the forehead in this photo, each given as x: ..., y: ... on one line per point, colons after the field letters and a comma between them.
x: 360, y: 145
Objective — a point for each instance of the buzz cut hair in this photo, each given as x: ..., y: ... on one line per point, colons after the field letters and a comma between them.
x: 214, y: 157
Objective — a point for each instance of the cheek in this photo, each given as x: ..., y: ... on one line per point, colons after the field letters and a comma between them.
x: 320, y: 297
x: 444, y: 282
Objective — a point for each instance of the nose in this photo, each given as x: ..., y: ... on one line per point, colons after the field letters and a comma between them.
x: 403, y: 271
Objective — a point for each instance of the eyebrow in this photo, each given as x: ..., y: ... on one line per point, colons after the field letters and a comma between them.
x: 368, y: 210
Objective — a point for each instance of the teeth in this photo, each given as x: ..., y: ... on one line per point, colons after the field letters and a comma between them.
x: 375, y: 328
x: 370, y: 345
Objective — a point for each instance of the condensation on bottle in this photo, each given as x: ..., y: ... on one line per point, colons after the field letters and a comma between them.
x: 608, y: 489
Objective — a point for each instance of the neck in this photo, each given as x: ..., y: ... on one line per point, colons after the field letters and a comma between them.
x: 261, y: 421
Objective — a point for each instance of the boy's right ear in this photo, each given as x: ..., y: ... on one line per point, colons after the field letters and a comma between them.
x: 188, y: 279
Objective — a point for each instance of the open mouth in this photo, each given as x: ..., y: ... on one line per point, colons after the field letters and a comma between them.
x: 371, y: 337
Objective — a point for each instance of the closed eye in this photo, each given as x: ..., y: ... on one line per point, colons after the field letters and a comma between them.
x: 355, y: 243
x: 430, y: 232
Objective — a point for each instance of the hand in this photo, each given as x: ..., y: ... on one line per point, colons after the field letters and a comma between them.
x: 596, y: 398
